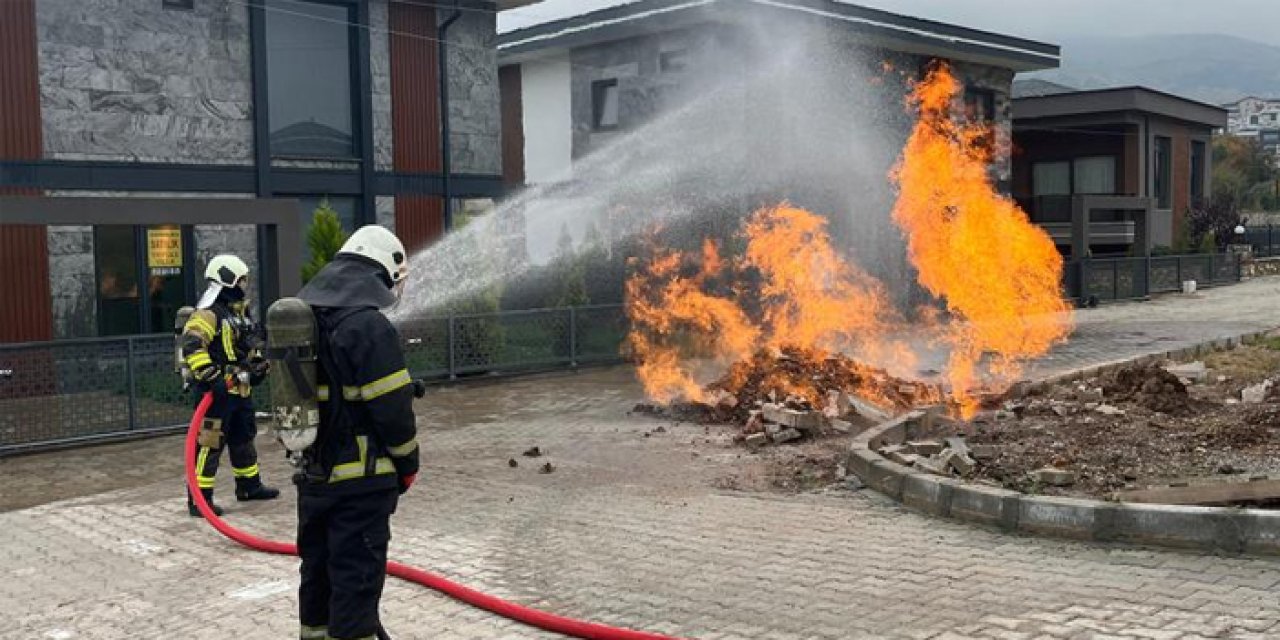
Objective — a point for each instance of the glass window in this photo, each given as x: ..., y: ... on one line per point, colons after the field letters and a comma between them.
x: 604, y: 104
x: 1095, y: 174
x: 672, y: 61
x: 1197, y: 169
x: 1162, y: 164
x: 1051, y: 179
x: 115, y: 249
x: 980, y: 104
x: 309, y: 78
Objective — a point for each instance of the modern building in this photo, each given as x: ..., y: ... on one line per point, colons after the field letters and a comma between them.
x: 573, y: 84
x: 1111, y: 171
x: 131, y: 124
x: 1256, y: 118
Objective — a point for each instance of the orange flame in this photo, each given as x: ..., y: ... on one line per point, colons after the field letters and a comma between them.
x: 997, y: 272
x: 812, y: 301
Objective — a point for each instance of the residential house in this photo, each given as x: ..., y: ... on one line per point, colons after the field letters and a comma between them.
x: 160, y: 113
x: 1111, y: 171
x: 1256, y: 118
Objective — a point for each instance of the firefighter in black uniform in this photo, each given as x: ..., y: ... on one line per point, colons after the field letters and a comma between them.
x: 366, y: 452
x: 222, y: 347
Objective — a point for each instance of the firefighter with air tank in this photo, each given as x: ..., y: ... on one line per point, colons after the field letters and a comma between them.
x: 342, y: 403
x: 220, y: 348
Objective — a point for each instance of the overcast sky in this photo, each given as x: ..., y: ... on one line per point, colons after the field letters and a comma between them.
x: 1048, y: 19
x: 1038, y: 19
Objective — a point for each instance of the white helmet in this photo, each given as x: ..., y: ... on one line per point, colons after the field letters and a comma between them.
x: 383, y: 247
x: 224, y: 271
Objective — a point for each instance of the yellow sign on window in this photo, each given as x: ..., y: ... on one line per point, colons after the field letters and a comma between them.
x: 164, y: 248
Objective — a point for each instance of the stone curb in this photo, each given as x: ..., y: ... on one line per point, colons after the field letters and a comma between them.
x: 1218, y: 529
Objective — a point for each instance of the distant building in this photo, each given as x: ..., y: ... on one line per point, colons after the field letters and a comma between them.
x: 1256, y: 118
x: 1111, y: 171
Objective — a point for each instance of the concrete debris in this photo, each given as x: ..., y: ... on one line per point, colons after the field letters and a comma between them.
x: 925, y: 447
x: 983, y: 452
x: 786, y: 435
x: 838, y: 405
x: 1257, y: 393
x: 962, y: 463
x: 903, y: 458
x: 755, y: 424
x: 841, y: 426
x: 806, y: 421
x: 1193, y: 371
x: 868, y: 410
x: 957, y: 444
x: 756, y: 441
x: 931, y: 465
x: 1108, y: 410
x: 1055, y: 477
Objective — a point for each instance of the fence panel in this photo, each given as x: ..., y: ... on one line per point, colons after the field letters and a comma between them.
x: 64, y: 392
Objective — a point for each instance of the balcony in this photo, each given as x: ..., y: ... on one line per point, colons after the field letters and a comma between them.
x: 1100, y: 220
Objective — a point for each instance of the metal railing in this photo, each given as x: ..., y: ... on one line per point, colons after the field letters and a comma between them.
x: 1128, y: 278
x: 1265, y: 240
x: 69, y: 392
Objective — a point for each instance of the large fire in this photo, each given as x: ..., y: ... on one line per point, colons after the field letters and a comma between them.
x: 790, y: 291
x: 974, y: 248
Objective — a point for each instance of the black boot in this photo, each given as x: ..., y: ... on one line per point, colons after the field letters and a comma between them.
x: 252, y: 489
x: 208, y: 497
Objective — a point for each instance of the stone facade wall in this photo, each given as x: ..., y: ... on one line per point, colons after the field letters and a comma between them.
x: 73, y: 282
x: 238, y: 239
x: 134, y: 81
x: 475, y: 117
x: 380, y: 68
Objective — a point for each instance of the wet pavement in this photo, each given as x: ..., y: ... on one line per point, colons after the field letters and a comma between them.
x: 634, y: 527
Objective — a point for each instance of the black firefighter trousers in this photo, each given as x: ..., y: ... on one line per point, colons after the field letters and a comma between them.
x: 238, y: 431
x: 342, y: 540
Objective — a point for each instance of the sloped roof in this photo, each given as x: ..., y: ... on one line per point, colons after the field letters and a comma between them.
x: 1035, y: 87
x: 880, y: 28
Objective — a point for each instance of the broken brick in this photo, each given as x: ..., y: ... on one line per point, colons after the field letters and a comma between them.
x: 925, y: 447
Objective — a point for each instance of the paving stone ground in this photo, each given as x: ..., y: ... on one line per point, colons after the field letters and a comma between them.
x: 628, y: 530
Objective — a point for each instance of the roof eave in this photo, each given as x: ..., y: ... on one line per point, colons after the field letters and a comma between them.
x: 882, y: 29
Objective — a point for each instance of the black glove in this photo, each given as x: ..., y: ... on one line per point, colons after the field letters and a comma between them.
x: 258, y: 369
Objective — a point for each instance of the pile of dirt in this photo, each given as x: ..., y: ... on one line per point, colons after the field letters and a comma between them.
x: 1138, y: 427
x: 1150, y: 386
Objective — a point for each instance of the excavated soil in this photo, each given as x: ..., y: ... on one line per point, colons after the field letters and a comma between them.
x: 1139, y: 427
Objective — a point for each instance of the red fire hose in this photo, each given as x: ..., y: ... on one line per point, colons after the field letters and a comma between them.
x: 532, y: 617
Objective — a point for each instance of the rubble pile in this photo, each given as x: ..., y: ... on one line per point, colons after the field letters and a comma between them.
x: 809, y: 378
x: 796, y: 394
x: 951, y: 456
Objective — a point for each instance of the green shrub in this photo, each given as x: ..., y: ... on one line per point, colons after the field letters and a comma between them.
x: 324, y: 238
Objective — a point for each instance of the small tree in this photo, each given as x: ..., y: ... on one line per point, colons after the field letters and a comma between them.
x: 324, y: 238
x: 1212, y: 224
x: 569, y: 272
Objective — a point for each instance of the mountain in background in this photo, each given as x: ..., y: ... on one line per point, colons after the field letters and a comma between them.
x: 1207, y: 67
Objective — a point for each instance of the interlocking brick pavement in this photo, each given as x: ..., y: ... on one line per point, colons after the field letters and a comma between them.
x: 628, y: 530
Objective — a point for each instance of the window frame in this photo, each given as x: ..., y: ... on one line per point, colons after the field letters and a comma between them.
x: 354, y: 61
x: 1162, y: 172
x: 1199, y: 151
x: 599, y: 89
